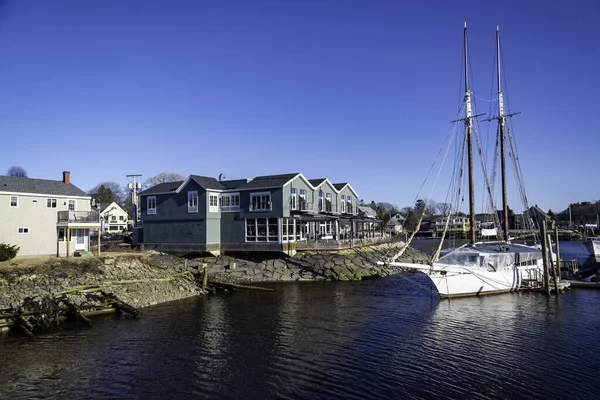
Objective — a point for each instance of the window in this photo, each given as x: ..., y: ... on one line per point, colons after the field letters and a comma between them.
x: 193, y: 201
x: 51, y: 203
x: 14, y: 201
x: 287, y: 231
x: 293, y: 198
x: 260, y: 201
x: 230, y: 202
x: 151, y: 205
x: 321, y: 200
x: 262, y: 230
x: 213, y: 202
x: 343, y: 203
x: 61, y: 234
x: 328, y: 207
x: 121, y: 218
x: 71, y: 205
x: 113, y: 219
x: 349, y: 206
x: 23, y: 231
x: 302, y: 200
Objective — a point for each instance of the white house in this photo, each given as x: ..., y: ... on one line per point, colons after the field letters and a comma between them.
x: 114, y: 218
x: 395, y: 225
x: 45, y: 217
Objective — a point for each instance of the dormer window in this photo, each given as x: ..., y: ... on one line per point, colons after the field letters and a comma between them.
x: 193, y: 201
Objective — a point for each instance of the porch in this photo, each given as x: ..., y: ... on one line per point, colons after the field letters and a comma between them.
x: 73, y: 231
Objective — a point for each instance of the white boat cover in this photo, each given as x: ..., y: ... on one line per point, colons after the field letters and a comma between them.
x: 491, y: 257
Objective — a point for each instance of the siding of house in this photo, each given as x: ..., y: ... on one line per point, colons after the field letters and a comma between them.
x: 33, y: 213
x: 297, y: 183
x: 172, y: 223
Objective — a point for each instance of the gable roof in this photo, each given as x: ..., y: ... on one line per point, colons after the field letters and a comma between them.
x: 233, y: 184
x: 340, y: 186
x: 165, y: 187
x: 17, y: 184
x: 367, y: 211
x: 206, y: 182
x: 111, y: 205
x: 317, y: 182
x: 269, y: 181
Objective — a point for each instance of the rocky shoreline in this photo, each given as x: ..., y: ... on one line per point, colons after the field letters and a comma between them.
x: 149, y: 278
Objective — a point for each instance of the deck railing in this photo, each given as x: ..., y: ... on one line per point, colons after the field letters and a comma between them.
x: 87, y: 217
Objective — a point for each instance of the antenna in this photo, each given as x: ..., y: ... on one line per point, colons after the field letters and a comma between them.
x: 134, y: 186
x: 221, y: 176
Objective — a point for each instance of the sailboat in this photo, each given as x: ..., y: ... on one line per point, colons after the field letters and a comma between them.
x: 480, y: 268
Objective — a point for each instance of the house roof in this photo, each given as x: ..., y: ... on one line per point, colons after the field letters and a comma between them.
x: 111, y: 205
x: 268, y: 181
x: 207, y: 182
x: 17, y: 184
x: 368, y: 211
x: 233, y: 184
x: 164, y: 187
x: 539, y: 210
x: 340, y: 186
x: 393, y: 222
x: 317, y: 182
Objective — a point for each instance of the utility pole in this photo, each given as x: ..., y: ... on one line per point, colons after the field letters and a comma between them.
x: 134, y: 187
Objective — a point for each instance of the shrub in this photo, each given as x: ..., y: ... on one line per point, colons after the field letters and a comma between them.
x: 8, y: 252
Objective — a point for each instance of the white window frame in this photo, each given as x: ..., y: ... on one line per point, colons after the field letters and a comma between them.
x: 23, y: 231
x: 213, y: 202
x: 343, y: 203
x: 293, y: 199
x: 150, y: 210
x: 302, y: 195
x: 74, y: 203
x: 51, y: 203
x: 230, y: 202
x: 263, y: 201
x: 349, y: 207
x: 269, y: 236
x: 328, y: 200
x: 192, y: 195
x: 321, y: 201
x: 10, y: 201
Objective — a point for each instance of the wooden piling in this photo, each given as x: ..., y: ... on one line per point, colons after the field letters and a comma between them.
x: 545, y: 257
x: 556, y: 267
x: 204, y: 276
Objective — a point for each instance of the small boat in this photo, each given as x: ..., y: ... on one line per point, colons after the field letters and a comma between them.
x: 593, y: 246
x: 480, y: 268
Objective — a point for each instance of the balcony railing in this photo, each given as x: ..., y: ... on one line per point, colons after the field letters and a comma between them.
x: 87, y: 217
x: 301, y: 205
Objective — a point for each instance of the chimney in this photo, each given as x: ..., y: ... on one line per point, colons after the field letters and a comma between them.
x: 66, y: 177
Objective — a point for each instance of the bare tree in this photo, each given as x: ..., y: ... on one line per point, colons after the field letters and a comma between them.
x: 17, y: 171
x: 162, y: 178
x: 118, y: 194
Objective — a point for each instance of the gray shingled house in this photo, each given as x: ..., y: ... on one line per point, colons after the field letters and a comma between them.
x: 274, y: 213
x: 45, y: 217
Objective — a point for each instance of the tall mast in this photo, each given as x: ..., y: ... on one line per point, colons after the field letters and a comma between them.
x: 501, y: 126
x: 469, y: 133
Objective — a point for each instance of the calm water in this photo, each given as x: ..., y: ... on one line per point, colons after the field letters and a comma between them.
x: 387, y: 338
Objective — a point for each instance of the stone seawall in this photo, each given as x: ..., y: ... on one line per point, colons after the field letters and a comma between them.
x: 144, y: 279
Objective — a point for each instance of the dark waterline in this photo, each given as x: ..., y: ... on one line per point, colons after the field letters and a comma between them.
x: 386, y: 338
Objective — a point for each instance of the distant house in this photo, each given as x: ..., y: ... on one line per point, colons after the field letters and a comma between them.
x: 266, y: 213
x: 114, y: 218
x: 533, y: 217
x: 45, y: 217
x: 395, y: 225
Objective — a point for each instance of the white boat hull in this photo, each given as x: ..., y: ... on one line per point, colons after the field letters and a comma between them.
x: 593, y: 247
x: 475, y: 283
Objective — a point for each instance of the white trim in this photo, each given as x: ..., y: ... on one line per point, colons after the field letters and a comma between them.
x: 10, y: 201
x: 259, y: 194
x: 51, y: 201
x: 230, y: 207
x: 148, y: 208
x: 61, y: 196
x: 212, y: 208
x: 192, y: 194
x: 351, y: 188
x: 23, y: 229
x: 74, y: 204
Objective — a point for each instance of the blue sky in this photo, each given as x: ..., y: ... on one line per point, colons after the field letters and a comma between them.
x: 358, y: 91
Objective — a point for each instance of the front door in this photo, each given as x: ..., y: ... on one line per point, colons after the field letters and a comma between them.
x: 80, y: 239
